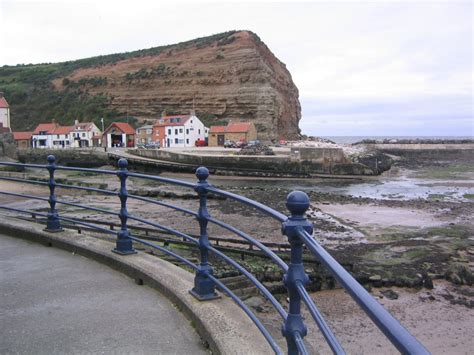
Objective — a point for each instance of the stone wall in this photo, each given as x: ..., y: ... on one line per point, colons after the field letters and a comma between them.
x: 8, y: 146
x: 264, y: 164
x: 87, y: 158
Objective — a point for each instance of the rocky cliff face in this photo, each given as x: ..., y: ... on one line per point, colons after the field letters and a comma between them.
x: 234, y: 77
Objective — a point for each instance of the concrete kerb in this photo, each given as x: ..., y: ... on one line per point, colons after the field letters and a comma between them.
x: 220, y: 323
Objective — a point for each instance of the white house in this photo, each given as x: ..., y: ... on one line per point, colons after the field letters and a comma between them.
x: 4, y: 114
x: 179, y: 131
x: 85, y: 134
x: 42, y: 135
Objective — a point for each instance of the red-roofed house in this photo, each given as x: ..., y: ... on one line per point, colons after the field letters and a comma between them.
x: 239, y: 131
x: 85, y: 134
x: 4, y: 115
x: 179, y: 131
x: 119, y: 134
x: 42, y: 135
x: 23, y: 139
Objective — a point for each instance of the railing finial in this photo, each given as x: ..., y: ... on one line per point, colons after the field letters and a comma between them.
x: 297, y: 203
x: 202, y: 173
x: 122, y: 163
x: 51, y: 159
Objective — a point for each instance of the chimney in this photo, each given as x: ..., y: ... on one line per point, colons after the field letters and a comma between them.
x: 192, y: 112
x: 163, y: 113
x: 1, y: 94
x: 76, y: 122
x: 53, y: 121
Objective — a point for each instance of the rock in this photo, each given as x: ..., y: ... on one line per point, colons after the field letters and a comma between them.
x: 390, y: 294
x: 257, y: 303
x: 459, y: 274
x: 227, y: 75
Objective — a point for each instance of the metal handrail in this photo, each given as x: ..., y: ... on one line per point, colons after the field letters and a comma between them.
x: 296, y: 228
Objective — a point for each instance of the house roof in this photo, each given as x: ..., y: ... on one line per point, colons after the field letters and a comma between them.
x: 62, y: 130
x: 3, y: 103
x: 148, y: 126
x: 240, y: 127
x: 123, y: 126
x: 83, y: 126
x: 217, y: 129
x: 22, y: 135
x: 45, y: 127
x: 175, y: 120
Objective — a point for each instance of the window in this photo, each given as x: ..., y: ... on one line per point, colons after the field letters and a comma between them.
x: 83, y: 134
x: 181, y: 141
x: 67, y: 142
x: 169, y: 131
x: 175, y: 131
x: 180, y: 130
x: 187, y: 131
x: 199, y: 131
x: 191, y: 121
x: 57, y: 136
x: 176, y: 140
x: 67, y: 135
x: 187, y: 140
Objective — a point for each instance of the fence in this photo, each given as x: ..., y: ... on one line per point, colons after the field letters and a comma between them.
x: 296, y: 228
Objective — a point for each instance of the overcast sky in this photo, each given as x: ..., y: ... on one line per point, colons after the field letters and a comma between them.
x: 362, y: 68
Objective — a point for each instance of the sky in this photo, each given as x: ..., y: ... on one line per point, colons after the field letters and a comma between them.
x: 363, y: 68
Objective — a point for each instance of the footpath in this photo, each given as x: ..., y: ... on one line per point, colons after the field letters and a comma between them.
x: 56, y: 302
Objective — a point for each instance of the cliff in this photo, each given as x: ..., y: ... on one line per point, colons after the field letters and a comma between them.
x: 229, y: 76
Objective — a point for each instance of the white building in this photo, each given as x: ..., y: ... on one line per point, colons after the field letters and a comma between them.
x: 52, y: 135
x: 42, y: 136
x: 179, y: 131
x: 4, y: 114
x: 85, y: 134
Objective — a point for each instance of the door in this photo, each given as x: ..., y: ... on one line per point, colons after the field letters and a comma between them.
x: 220, y: 139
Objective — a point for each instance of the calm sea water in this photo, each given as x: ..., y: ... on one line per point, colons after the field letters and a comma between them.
x: 353, y: 139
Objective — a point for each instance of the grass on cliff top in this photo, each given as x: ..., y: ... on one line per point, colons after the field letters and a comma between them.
x: 33, y: 99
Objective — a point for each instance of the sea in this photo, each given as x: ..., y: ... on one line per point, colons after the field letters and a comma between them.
x: 354, y: 139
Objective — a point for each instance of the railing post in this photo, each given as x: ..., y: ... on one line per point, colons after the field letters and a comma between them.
x: 124, y: 243
x: 297, y: 203
x: 204, y: 288
x: 53, y: 223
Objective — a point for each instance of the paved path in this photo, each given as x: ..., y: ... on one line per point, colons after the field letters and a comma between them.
x: 54, y: 302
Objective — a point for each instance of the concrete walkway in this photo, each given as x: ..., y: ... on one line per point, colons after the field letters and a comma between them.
x: 54, y: 302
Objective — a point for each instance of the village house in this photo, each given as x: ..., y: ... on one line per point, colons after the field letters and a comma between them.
x: 85, y: 134
x: 4, y: 115
x: 144, y: 134
x: 61, y: 137
x: 179, y: 131
x: 42, y: 135
x: 23, y: 139
x: 118, y: 134
x: 239, y: 131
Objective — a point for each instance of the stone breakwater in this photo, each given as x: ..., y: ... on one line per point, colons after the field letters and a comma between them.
x: 300, y: 162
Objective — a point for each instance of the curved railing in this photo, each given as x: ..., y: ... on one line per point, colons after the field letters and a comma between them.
x: 296, y: 227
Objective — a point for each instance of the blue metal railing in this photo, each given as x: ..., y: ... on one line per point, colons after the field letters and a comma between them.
x: 296, y: 227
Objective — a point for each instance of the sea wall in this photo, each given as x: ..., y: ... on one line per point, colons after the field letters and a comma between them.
x: 318, y: 164
x: 87, y: 158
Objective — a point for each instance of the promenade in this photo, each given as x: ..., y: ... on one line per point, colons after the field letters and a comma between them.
x: 56, y: 302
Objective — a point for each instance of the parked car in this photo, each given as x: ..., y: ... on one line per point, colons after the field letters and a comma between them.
x: 229, y: 144
x: 240, y: 144
x: 200, y: 143
x: 152, y: 145
x: 254, y: 143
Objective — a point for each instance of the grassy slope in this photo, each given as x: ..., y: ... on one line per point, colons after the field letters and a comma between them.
x: 33, y: 99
